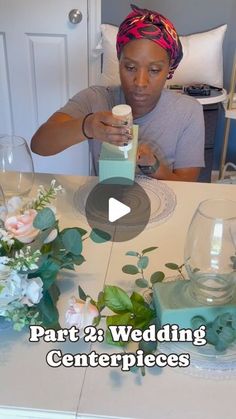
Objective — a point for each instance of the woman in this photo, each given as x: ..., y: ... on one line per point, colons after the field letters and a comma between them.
x: 171, y: 125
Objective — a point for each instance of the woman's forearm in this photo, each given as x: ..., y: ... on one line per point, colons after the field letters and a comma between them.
x: 58, y: 133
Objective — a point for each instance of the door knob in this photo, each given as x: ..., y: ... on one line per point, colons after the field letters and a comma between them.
x: 75, y: 16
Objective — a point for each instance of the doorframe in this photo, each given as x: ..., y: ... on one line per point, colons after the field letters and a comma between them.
x: 94, y: 36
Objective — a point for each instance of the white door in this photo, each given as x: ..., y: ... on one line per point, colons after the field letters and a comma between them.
x: 43, y: 62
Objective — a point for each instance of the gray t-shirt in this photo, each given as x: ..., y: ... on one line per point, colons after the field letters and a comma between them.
x: 174, y: 128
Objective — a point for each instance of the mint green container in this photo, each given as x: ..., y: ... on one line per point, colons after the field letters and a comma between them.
x: 113, y: 164
x: 174, y: 304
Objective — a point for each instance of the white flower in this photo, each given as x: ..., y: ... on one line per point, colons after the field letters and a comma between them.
x: 12, y: 285
x: 4, y: 260
x: 80, y: 314
x: 6, y: 237
x: 33, y: 291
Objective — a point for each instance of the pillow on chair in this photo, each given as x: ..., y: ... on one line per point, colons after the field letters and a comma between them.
x: 202, y: 58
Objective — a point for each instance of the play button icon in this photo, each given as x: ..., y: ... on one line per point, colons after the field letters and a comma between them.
x: 116, y: 210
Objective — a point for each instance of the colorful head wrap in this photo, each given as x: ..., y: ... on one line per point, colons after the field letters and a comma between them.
x: 144, y: 23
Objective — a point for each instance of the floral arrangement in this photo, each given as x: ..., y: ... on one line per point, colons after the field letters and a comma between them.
x: 32, y: 251
x: 138, y: 309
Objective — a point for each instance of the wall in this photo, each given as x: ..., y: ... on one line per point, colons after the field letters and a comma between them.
x: 191, y: 16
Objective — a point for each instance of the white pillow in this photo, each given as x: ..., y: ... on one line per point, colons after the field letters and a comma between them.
x: 110, y: 68
x: 202, y: 60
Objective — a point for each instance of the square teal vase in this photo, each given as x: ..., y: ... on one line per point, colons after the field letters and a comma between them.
x: 113, y: 164
x: 174, y: 304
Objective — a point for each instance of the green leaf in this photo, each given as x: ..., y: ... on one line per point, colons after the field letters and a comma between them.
x: 130, y: 269
x: 77, y: 260
x: 157, y: 277
x: 141, y: 283
x: 143, y: 312
x: 48, y: 312
x: 99, y: 236
x: 149, y: 249
x: 110, y: 341
x: 71, y: 240
x: 147, y: 347
x: 137, y: 297
x: 44, y: 219
x: 48, y: 272
x: 172, y: 266
x: 116, y: 299
x: 82, y: 294
x: 54, y: 293
x: 143, y: 262
x: 119, y: 320
x: 132, y: 253
x: 101, y: 301
x: 38, y: 243
x: 81, y: 231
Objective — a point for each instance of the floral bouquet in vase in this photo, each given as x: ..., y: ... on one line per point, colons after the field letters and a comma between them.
x: 32, y: 251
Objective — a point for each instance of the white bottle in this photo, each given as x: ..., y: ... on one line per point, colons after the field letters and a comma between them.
x: 124, y: 113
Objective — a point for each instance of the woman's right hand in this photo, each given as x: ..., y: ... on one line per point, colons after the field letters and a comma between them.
x: 105, y: 127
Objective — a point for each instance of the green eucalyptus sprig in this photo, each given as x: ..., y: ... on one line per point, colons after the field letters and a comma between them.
x: 142, y: 264
x: 175, y: 267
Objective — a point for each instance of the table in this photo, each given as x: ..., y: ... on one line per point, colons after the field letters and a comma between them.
x: 215, y: 97
x: 30, y: 389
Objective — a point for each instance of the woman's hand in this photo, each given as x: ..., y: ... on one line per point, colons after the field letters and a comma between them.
x: 105, y: 127
x: 146, y: 157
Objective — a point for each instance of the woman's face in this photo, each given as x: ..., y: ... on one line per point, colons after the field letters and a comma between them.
x: 144, y: 67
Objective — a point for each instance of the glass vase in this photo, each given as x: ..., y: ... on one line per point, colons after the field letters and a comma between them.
x: 210, y: 252
x: 16, y: 166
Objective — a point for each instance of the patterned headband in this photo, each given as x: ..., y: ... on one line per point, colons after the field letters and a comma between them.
x: 143, y: 23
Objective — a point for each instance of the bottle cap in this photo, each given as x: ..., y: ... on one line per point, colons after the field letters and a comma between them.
x: 121, y: 110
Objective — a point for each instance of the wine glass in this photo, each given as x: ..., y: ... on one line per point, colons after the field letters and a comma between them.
x: 210, y: 251
x: 3, y: 209
x: 16, y: 166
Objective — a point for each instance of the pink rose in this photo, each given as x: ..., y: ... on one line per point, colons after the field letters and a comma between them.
x: 80, y: 314
x: 21, y: 226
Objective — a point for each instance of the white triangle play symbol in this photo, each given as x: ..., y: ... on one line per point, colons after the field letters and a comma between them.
x: 116, y: 210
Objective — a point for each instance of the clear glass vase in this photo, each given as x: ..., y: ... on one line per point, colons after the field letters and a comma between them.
x: 210, y: 252
x: 16, y: 166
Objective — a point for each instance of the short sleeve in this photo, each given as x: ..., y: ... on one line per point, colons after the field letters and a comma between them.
x: 92, y: 99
